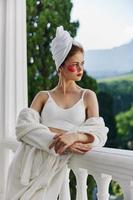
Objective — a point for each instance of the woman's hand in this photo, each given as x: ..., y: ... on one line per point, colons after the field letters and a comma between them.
x: 56, y: 130
x: 80, y: 148
x: 63, y: 141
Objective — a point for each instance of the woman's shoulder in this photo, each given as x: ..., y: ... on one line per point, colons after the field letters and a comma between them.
x: 41, y: 95
x: 90, y: 92
x: 39, y: 100
x: 91, y: 103
x: 90, y: 95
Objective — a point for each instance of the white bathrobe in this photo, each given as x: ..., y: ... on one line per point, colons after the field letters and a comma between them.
x: 37, y: 172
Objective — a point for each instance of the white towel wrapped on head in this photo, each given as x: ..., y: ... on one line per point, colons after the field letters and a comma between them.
x: 61, y: 46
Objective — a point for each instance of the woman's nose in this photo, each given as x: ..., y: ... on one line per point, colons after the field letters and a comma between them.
x: 80, y: 67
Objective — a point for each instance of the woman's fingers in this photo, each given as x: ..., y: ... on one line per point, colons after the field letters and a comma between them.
x: 55, y: 139
x: 53, y: 144
x: 77, y: 151
x: 84, y: 148
x: 57, y: 135
x: 80, y: 147
x: 62, y: 149
x: 59, y: 146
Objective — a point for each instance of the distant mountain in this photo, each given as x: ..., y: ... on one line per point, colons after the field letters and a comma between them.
x: 109, y: 62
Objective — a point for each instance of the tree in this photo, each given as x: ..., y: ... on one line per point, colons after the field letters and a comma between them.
x: 106, y: 103
x: 124, y: 123
x: 121, y: 91
x: 43, y: 17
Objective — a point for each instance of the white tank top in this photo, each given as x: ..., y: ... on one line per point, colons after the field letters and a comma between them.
x: 54, y: 116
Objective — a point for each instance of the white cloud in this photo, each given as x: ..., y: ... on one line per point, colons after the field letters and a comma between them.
x: 128, y: 32
x: 126, y: 35
x: 102, y: 25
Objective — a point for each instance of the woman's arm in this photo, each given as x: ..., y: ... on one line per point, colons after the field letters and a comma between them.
x: 92, y: 110
x: 38, y: 101
x: 56, y: 130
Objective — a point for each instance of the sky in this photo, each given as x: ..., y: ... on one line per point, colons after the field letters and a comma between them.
x: 104, y: 24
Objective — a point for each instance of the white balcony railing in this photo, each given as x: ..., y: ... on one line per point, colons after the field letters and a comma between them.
x: 104, y: 164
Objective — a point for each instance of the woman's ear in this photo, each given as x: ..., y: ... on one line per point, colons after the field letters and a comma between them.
x: 58, y: 72
x: 60, y: 68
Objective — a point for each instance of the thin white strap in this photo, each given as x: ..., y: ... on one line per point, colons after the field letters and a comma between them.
x: 48, y: 94
x: 50, y: 97
x: 83, y: 93
x: 81, y: 97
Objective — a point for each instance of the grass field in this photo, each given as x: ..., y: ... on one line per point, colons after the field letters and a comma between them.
x: 127, y: 77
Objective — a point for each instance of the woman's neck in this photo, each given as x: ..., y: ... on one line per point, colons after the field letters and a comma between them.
x: 67, y: 87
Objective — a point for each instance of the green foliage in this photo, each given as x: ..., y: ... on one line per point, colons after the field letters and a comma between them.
x: 115, y: 189
x: 106, y: 103
x: 72, y: 185
x: 124, y: 123
x: 122, y: 94
x: 91, y: 185
x: 43, y: 17
x: 122, y: 99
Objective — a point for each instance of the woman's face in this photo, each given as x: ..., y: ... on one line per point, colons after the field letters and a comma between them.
x: 73, y: 67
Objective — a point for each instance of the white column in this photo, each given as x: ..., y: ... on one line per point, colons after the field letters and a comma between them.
x: 13, y: 72
x: 81, y: 178
x: 127, y: 188
x: 65, y: 190
x: 103, y: 182
x: 2, y: 39
x: 15, y: 84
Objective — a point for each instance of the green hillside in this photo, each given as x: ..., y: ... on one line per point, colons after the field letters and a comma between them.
x: 126, y: 77
x: 120, y: 89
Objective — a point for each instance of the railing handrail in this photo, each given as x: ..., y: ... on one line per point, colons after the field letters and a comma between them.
x: 114, y: 157
x: 104, y: 164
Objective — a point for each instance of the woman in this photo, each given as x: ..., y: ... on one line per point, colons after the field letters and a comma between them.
x: 67, y: 94
x: 59, y: 122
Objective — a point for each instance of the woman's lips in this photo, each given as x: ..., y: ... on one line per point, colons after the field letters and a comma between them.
x: 79, y: 74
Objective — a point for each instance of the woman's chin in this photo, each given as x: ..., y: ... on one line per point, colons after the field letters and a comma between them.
x: 78, y: 78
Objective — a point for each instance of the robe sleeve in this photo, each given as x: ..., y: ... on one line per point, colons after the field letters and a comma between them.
x: 31, y: 131
x: 96, y: 127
